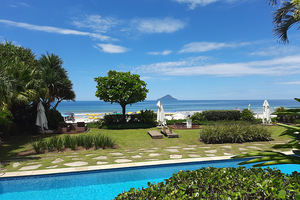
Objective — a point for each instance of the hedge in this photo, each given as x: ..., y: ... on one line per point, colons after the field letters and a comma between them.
x: 221, y: 183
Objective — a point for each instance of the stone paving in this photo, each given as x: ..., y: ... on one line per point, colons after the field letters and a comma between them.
x: 131, y: 155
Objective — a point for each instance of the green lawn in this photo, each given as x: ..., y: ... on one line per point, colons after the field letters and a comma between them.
x: 135, y: 144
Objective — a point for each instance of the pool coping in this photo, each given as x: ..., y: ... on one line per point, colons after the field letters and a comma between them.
x: 113, y: 166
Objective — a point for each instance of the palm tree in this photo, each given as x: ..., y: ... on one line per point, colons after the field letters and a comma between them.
x: 285, y: 17
x: 57, y: 80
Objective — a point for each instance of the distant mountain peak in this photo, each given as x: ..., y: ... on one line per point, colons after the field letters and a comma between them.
x: 167, y: 98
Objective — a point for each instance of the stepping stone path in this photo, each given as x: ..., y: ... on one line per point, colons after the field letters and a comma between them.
x: 211, y: 151
x: 116, y: 154
x: 101, y: 163
x: 32, y: 163
x: 71, y: 156
x: 77, y: 158
x: 227, y: 147
x: 253, y: 147
x: 188, y: 149
x: 154, y: 154
x: 16, y: 164
x: 228, y: 154
x: 30, y: 167
x: 242, y: 149
x: 100, y: 158
x: 57, y: 160
x: 174, y: 147
x: 172, y: 150
x: 149, y: 150
x: 194, y: 155
x: 75, y: 164
x: 50, y: 167
x: 204, y: 147
x: 90, y: 154
x: 175, y: 156
x: 136, y: 156
x: 122, y: 160
x: 192, y: 146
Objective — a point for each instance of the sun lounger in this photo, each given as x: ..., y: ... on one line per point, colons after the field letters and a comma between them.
x: 63, y: 127
x: 169, y: 133
x: 81, y: 127
x: 155, y: 135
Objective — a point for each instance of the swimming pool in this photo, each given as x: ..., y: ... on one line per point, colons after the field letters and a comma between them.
x: 101, y: 184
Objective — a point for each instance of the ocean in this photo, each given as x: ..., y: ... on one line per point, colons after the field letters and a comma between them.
x: 180, y: 106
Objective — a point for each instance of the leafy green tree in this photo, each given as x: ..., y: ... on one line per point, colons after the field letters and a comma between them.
x: 285, y: 17
x: 121, y: 87
x: 56, y: 78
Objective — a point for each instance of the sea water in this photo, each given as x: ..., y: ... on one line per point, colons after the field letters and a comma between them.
x: 102, y: 184
x: 181, y: 106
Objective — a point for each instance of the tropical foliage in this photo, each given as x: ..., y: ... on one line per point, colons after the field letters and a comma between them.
x: 274, y: 158
x: 24, y: 81
x: 57, y: 80
x: 285, y: 17
x: 221, y: 183
x: 121, y: 87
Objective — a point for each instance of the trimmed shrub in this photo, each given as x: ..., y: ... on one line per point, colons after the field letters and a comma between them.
x: 54, y: 117
x: 221, y: 183
x: 234, y: 133
x: 247, y: 115
x: 197, y: 116
x: 145, y: 117
x: 217, y: 115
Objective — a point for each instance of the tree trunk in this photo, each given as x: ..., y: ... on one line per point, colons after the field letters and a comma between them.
x: 123, y: 112
x: 57, y: 104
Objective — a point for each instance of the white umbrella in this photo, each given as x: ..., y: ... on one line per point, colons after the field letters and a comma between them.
x: 41, y: 119
x: 266, y: 113
x: 161, y: 119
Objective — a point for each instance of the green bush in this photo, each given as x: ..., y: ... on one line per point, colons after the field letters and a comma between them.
x: 54, y: 117
x: 234, y: 133
x: 247, y: 115
x: 221, y: 183
x: 96, y: 124
x: 145, y: 117
x: 38, y: 146
x: 217, y: 115
x: 67, y: 141
x: 197, y: 116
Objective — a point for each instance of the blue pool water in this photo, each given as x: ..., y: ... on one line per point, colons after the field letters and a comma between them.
x: 102, y: 184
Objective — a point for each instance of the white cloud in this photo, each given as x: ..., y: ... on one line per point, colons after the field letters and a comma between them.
x: 291, y: 83
x: 96, y: 23
x: 194, y: 3
x: 50, y: 29
x: 166, y: 25
x: 208, y: 46
x: 111, y: 48
x: 164, y: 53
x: 191, y: 67
x: 276, y: 50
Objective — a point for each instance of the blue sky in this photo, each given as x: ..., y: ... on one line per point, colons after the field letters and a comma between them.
x: 190, y: 49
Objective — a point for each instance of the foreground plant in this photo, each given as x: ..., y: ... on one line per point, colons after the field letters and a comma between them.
x: 221, y: 183
x: 274, y: 158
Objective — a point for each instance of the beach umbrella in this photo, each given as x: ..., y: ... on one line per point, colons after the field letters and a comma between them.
x: 68, y: 113
x: 129, y: 113
x: 41, y: 119
x: 138, y: 112
x: 266, y: 113
x: 160, y: 114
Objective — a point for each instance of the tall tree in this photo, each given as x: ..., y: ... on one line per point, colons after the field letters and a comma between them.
x: 57, y: 80
x: 121, y: 87
x: 285, y: 17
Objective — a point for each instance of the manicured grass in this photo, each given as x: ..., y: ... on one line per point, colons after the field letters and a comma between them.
x: 132, y: 142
